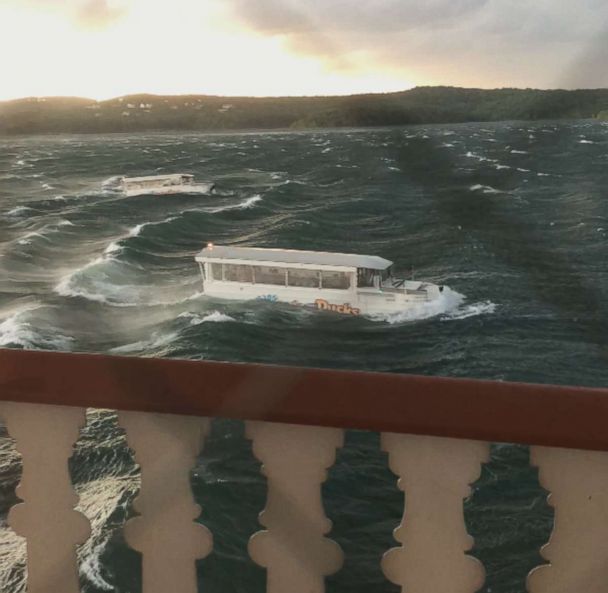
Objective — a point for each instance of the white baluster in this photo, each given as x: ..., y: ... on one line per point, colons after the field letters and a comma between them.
x: 166, y: 448
x: 45, y: 436
x: 292, y: 549
x: 435, y: 474
x: 578, y: 549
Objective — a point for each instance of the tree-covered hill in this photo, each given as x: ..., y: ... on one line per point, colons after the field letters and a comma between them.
x: 200, y: 112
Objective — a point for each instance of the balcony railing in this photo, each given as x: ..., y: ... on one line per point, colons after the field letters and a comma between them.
x: 436, y: 433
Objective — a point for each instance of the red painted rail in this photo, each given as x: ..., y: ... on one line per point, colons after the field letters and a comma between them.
x: 571, y: 417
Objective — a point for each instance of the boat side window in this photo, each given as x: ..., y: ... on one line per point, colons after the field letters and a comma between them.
x: 337, y: 280
x: 365, y: 278
x: 303, y: 278
x: 238, y: 273
x: 269, y: 275
x: 216, y: 271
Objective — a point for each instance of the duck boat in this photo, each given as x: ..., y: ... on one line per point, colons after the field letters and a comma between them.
x: 343, y: 283
x: 178, y: 183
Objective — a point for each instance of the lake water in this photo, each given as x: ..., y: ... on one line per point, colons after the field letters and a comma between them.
x: 512, y: 217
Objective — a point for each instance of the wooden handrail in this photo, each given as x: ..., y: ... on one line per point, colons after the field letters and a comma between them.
x: 571, y: 417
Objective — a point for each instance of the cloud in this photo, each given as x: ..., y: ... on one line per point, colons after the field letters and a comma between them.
x: 297, y: 16
x: 543, y: 43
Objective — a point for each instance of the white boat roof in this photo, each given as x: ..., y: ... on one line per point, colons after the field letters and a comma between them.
x: 157, y: 177
x: 293, y: 256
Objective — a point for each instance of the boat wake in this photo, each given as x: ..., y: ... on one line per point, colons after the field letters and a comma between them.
x: 449, y: 307
x: 112, y: 183
x: 472, y: 310
x: 448, y: 301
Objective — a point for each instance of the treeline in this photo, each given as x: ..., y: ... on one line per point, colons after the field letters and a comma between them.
x: 199, y: 112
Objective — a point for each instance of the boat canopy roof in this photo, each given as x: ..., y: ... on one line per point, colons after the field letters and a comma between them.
x: 157, y: 177
x: 293, y: 256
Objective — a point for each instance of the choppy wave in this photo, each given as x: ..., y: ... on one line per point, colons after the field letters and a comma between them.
x: 28, y: 238
x: 104, y: 280
x: 110, y: 281
x: 22, y: 329
x: 131, y: 282
x: 98, y: 500
x: 19, y: 211
x: 158, y: 340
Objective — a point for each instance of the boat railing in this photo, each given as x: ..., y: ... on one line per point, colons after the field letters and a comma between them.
x: 436, y: 432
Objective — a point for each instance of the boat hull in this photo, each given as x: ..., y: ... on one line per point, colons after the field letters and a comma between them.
x: 199, y: 188
x: 351, y: 303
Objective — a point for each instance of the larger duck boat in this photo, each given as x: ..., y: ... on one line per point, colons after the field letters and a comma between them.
x: 178, y: 183
x: 340, y: 282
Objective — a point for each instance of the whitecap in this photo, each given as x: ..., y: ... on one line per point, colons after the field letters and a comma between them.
x: 248, y: 203
x: 500, y: 167
x: 136, y: 230
x: 113, y: 247
x: 29, y: 237
x: 513, y: 151
x: 19, y: 211
x: 481, y: 159
x: 213, y: 317
x: 486, y: 189
x: 586, y: 142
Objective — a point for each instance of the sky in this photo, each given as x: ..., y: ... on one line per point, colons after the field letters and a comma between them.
x: 108, y: 48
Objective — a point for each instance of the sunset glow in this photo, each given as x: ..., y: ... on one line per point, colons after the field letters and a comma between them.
x: 191, y: 48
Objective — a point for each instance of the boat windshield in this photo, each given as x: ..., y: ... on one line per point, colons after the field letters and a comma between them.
x: 365, y: 278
